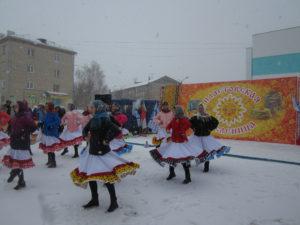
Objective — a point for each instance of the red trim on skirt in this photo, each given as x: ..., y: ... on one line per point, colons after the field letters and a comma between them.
x: 76, y: 141
x: 52, y: 148
x: 17, y: 164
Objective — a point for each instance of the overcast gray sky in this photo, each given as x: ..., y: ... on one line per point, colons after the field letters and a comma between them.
x: 202, y: 39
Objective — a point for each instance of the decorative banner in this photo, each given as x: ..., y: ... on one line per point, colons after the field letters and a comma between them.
x: 256, y: 110
x: 169, y: 94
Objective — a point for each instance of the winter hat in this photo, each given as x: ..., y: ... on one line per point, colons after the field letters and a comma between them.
x: 179, y: 113
x: 50, y: 106
x: 100, y: 106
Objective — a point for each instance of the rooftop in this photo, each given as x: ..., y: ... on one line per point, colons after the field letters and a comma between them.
x: 138, y: 84
x: 41, y: 42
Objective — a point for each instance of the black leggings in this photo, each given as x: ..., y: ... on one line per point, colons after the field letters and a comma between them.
x: 110, y: 188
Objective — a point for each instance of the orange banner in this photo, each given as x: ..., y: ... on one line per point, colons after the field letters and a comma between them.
x: 256, y: 110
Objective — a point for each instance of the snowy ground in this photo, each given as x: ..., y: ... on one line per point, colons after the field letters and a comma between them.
x: 234, y: 192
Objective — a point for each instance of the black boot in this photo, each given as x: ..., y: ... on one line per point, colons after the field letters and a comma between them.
x: 13, y: 174
x: 172, y: 173
x: 113, y: 198
x: 52, y: 163
x: 75, y: 151
x: 21, y: 182
x: 94, y: 202
x: 65, y: 151
x: 206, y: 167
x: 186, y: 168
x: 49, y: 159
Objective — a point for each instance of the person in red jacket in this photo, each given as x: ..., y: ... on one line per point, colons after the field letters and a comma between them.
x: 4, y: 122
x: 178, y: 150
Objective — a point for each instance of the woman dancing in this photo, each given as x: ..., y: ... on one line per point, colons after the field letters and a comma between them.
x: 178, y: 150
x: 18, y: 156
x: 203, y: 124
x: 97, y: 162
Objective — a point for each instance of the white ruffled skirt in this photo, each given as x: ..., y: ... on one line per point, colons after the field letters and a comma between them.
x: 4, y: 139
x: 69, y: 138
x: 50, y: 144
x: 119, y: 146
x: 211, y: 147
x: 18, y: 159
x: 108, y: 168
x: 173, y: 153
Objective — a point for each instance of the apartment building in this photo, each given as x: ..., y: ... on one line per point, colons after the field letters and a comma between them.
x: 35, y: 70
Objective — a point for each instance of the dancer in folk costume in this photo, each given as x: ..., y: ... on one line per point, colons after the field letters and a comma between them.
x: 162, y: 120
x: 72, y: 134
x: 203, y: 124
x: 18, y: 156
x: 118, y: 144
x: 50, y: 142
x: 178, y: 150
x: 4, y: 122
x: 97, y: 162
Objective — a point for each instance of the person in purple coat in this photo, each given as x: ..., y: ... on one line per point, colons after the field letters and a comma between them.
x: 18, y: 156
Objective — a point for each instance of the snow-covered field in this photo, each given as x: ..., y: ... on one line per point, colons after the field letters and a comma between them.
x: 234, y: 192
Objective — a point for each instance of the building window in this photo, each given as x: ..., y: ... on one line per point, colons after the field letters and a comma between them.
x: 2, y: 84
x: 4, y: 50
x: 56, y: 73
x: 55, y: 87
x: 56, y: 57
x: 30, y: 52
x: 29, y: 85
x: 30, y: 68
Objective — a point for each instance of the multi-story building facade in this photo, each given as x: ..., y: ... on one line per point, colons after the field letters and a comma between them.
x: 274, y: 54
x: 150, y: 90
x: 35, y: 70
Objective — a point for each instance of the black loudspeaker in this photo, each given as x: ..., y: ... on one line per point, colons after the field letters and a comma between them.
x: 104, y: 98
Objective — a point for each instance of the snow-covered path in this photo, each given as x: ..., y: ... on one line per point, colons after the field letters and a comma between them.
x: 234, y: 192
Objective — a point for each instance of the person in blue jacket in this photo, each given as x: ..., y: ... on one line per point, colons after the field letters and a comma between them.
x: 50, y: 142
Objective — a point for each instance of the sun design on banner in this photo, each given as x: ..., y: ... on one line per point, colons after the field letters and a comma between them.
x: 230, y: 110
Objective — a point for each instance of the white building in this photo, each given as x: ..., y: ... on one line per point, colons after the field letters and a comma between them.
x: 274, y: 54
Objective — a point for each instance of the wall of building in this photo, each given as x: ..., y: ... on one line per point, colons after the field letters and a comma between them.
x: 43, y: 76
x: 150, y: 91
x: 276, y: 52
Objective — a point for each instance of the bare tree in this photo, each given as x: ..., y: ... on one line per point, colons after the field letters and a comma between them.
x: 89, y: 80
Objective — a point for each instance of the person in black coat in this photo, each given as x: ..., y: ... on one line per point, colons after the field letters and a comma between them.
x: 97, y: 162
x: 203, y: 124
